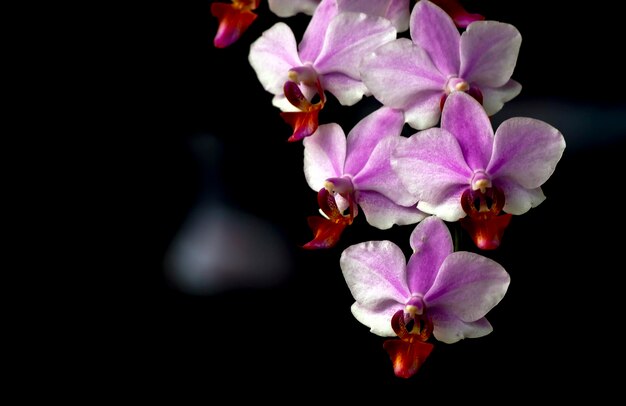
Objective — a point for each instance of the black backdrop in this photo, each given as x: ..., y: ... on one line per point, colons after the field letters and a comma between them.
x: 217, y: 136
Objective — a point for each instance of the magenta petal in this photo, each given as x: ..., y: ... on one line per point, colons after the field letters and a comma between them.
x: 431, y: 243
x: 402, y: 76
x: 315, y: 33
x: 466, y: 119
x: 375, y: 273
x: 343, y: 48
x: 518, y: 199
x: 434, y: 31
x: 495, y: 97
x: 449, y: 329
x: 431, y: 166
x: 489, y: 52
x: 467, y: 286
x: 272, y: 55
x: 324, y: 155
x: 348, y: 91
x: 526, y: 151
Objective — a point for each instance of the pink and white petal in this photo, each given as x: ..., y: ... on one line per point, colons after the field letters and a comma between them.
x: 495, y: 97
x: 401, y: 75
x: 517, y: 199
x: 526, y: 151
x: 379, y: 320
x: 324, y: 155
x: 370, y: 145
x: 375, y: 272
x: 467, y: 286
x: 383, y: 213
x: 377, y: 175
x: 431, y: 165
x: 289, y: 8
x: 399, y: 12
x: 434, y: 31
x: 466, y: 119
x: 368, y: 133
x: 424, y: 111
x: 449, y: 329
x: 446, y: 204
x: 272, y: 56
x: 350, y: 36
x: 315, y: 33
x: 431, y: 243
x: 348, y: 91
x: 489, y: 52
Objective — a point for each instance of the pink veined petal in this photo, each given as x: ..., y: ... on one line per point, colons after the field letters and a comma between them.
x: 526, y: 151
x: 466, y: 119
x: 289, y: 8
x: 401, y: 75
x: 378, y: 319
x: 495, y: 97
x: 379, y: 176
x: 431, y: 166
x: 370, y: 144
x: 383, y: 213
x: 467, y: 286
x: 517, y: 199
x: 324, y: 155
x: 424, y: 110
x: 272, y: 55
x: 431, y: 243
x: 449, y: 329
x: 434, y: 31
x: 350, y: 36
x: 446, y: 203
x: 315, y: 33
x: 375, y: 272
x: 348, y: 91
x: 399, y: 13
x: 489, y: 52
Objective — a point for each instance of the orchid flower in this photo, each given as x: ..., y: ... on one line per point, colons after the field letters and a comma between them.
x: 439, y: 292
x: 356, y: 170
x: 327, y: 59
x: 234, y: 19
x: 417, y: 75
x: 459, y: 15
x: 463, y: 168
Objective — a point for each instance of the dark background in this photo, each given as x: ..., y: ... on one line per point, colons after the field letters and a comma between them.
x: 218, y: 139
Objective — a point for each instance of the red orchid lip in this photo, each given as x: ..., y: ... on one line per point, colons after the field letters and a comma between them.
x: 484, y: 221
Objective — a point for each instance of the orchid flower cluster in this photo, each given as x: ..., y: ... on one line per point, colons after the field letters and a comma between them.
x: 444, y: 80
